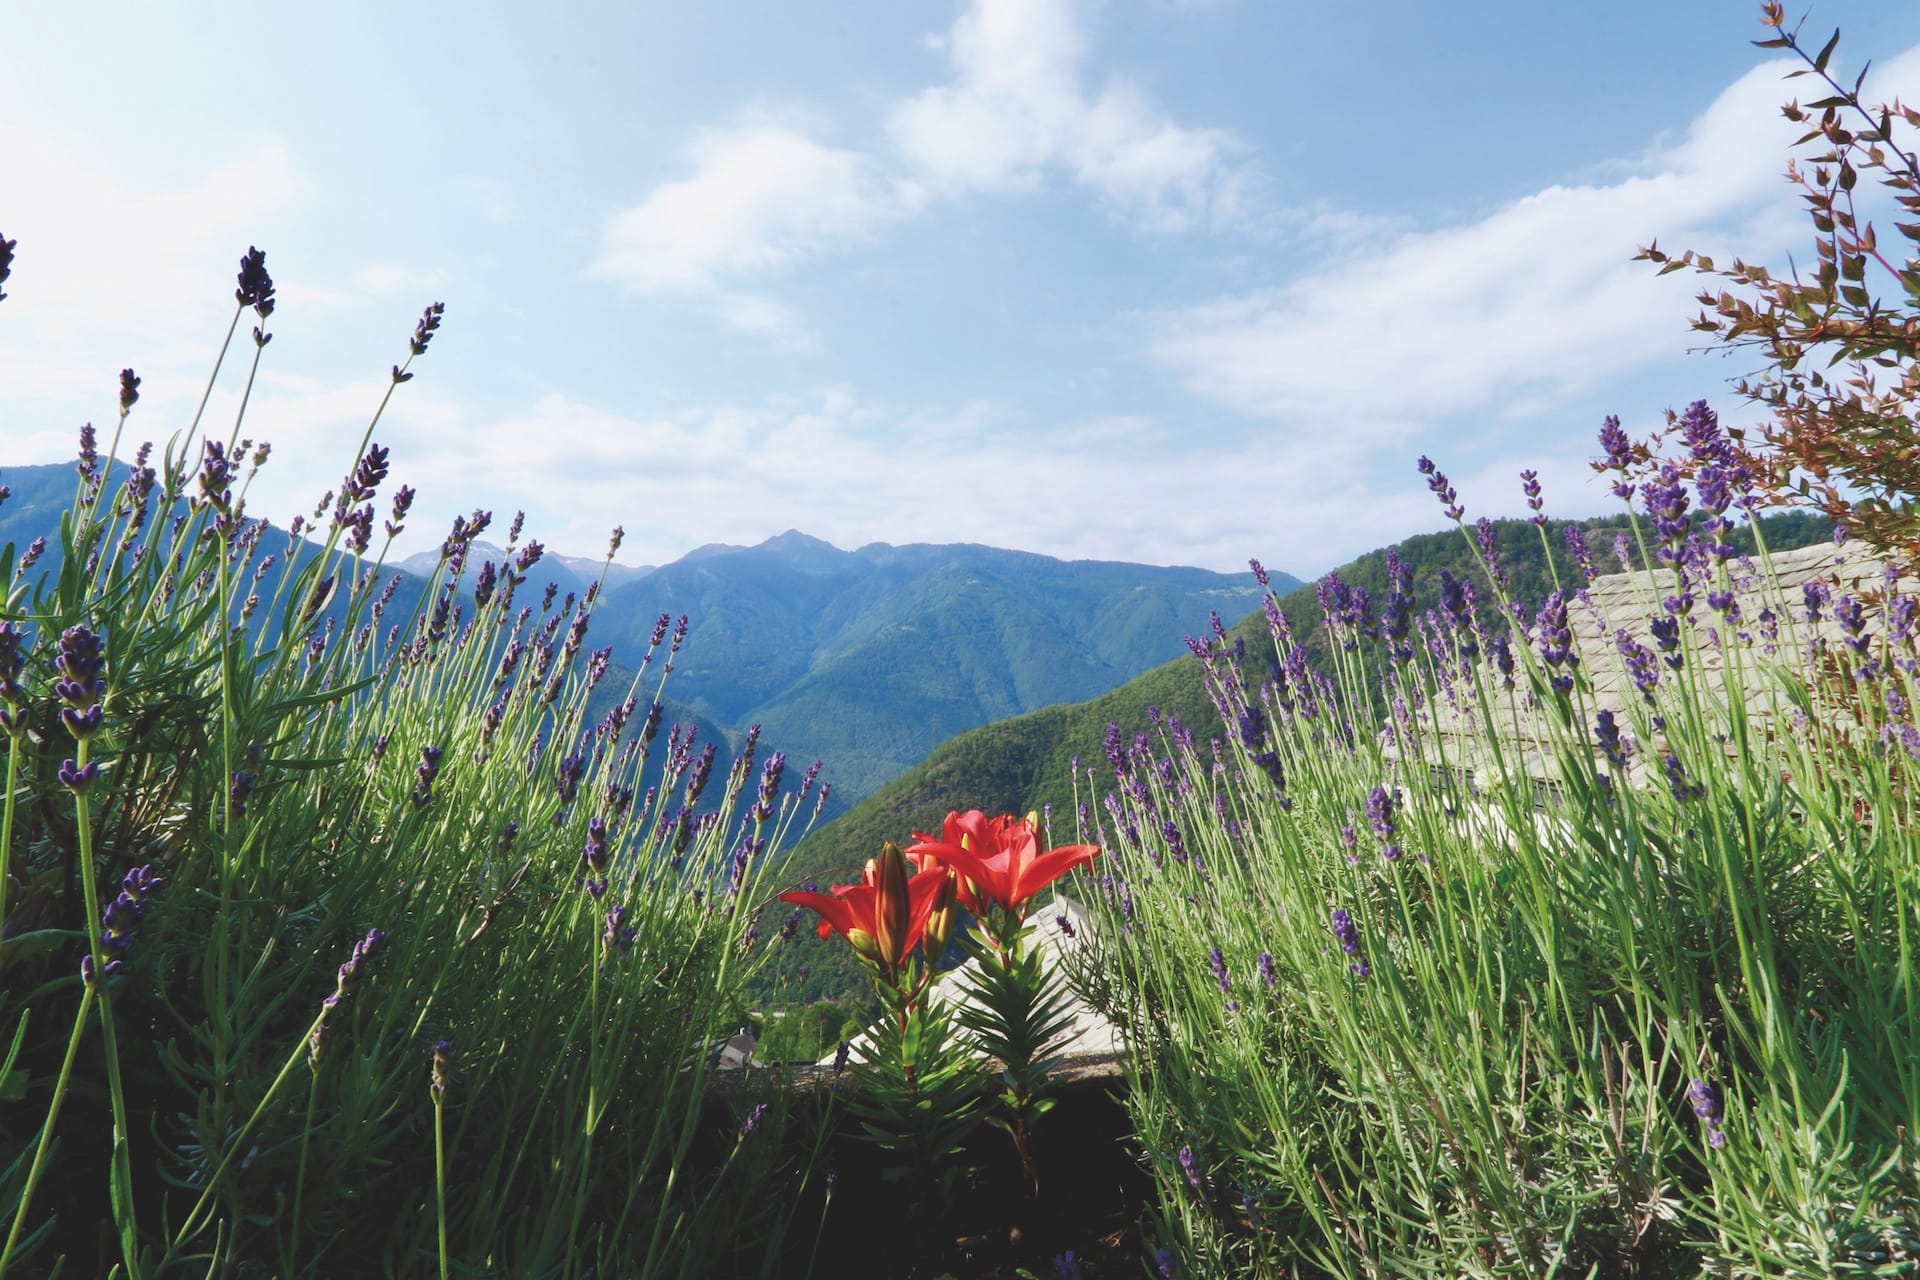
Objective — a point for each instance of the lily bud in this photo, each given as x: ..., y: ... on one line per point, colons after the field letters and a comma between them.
x: 941, y: 919
x: 892, y: 905
x: 864, y: 945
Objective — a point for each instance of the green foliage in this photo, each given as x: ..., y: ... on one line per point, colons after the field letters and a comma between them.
x: 1663, y: 1024
x: 371, y: 844
x: 1022, y: 764
x: 917, y: 1097
x: 806, y: 1033
x: 1842, y: 357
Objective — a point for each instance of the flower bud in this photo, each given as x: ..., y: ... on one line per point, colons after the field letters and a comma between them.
x: 863, y: 944
x: 941, y: 920
x: 892, y: 907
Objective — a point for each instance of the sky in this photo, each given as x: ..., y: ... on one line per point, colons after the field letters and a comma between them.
x: 1171, y: 281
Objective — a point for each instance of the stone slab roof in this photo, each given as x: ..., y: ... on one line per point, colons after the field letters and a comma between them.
x: 1451, y: 736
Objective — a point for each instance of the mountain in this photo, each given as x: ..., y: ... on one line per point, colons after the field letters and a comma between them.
x: 36, y: 498
x: 863, y: 659
x: 618, y: 575
x: 868, y: 659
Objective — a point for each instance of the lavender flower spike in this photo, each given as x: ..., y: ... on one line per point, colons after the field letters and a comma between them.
x: 1347, y: 934
x: 1380, y: 818
x: 1705, y: 1101
x: 442, y: 1069
x: 365, y: 952
x: 1437, y: 481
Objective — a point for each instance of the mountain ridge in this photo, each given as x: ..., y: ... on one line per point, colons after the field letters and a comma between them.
x: 864, y: 658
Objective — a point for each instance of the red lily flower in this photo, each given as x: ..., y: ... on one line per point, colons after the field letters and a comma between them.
x: 1000, y: 856
x: 884, y: 915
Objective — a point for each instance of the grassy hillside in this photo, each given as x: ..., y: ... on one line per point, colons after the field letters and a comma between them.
x: 869, y: 659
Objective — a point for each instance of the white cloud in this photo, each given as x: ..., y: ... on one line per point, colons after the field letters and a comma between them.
x: 96, y: 249
x: 761, y: 198
x: 763, y: 195
x: 1016, y: 109
x: 1538, y: 299
x: 831, y: 462
x: 118, y: 268
x: 763, y: 317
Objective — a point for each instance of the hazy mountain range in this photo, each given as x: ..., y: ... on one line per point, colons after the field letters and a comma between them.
x: 864, y: 659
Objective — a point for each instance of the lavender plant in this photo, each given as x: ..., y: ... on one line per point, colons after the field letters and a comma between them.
x: 1621, y: 983
x: 352, y: 821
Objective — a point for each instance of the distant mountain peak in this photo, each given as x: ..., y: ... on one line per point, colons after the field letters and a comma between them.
x: 794, y: 540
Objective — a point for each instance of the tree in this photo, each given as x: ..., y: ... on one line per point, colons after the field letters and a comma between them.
x: 1842, y: 376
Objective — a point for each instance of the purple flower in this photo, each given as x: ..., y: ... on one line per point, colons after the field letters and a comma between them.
x: 1853, y: 622
x: 702, y: 770
x: 1266, y: 970
x: 428, y: 326
x: 1615, y: 444
x: 1218, y: 963
x: 1396, y: 618
x: 1556, y: 643
x: 594, y: 857
x: 1456, y: 608
x: 1259, y: 572
x: 1816, y: 595
x: 770, y: 774
x: 1347, y: 934
x: 362, y: 482
x: 347, y: 980
x: 1582, y: 553
x: 79, y: 662
x: 1483, y: 535
x: 1665, y: 499
x: 618, y: 935
x: 35, y: 549
x: 238, y: 789
x: 1683, y: 788
x: 1607, y: 733
x: 1380, y: 818
x: 256, y: 286
x: 1186, y: 1166
x: 1705, y: 1101
x: 89, y: 462
x: 6, y: 260
x: 1346, y: 608
x: 1163, y: 1262
x: 1176, y: 845
x: 120, y: 916
x: 567, y: 775
x: 402, y: 503
x: 1437, y: 481
x: 424, y: 773
x: 1442, y: 490
x: 77, y: 778
x: 1530, y: 485
x: 1666, y: 634
x: 753, y: 1119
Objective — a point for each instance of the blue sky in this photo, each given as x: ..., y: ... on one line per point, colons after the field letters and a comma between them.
x: 1175, y: 281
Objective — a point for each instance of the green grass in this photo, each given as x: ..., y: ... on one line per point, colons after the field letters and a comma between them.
x: 381, y: 825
